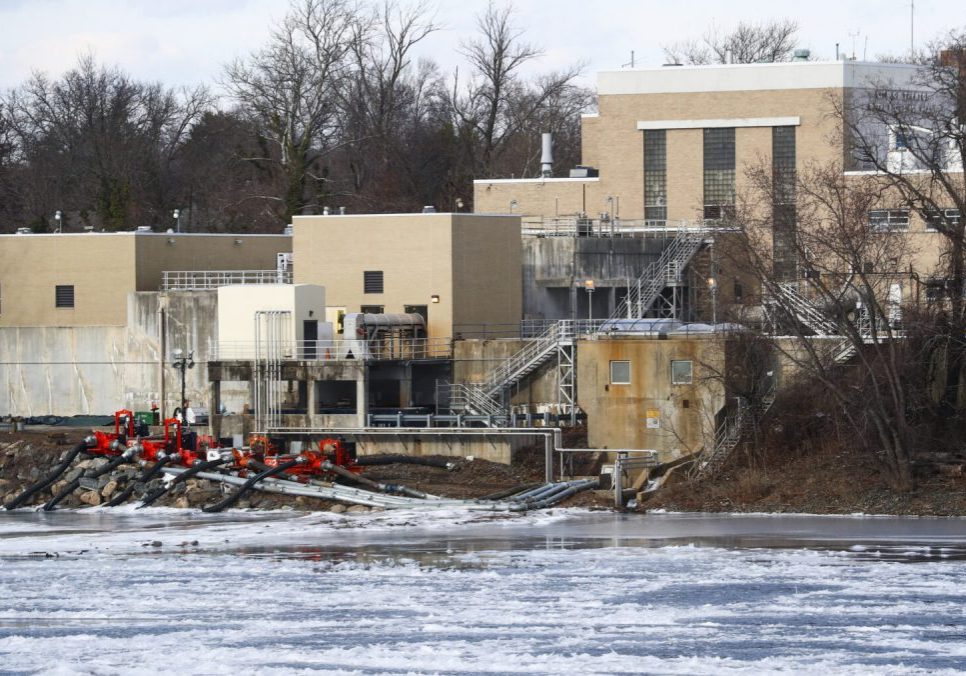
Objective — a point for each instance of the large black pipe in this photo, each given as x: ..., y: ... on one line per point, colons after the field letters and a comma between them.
x: 404, y: 459
x: 69, y: 488
x: 507, y: 492
x: 248, y: 485
x: 55, y: 474
x: 181, y: 478
x: 146, y: 476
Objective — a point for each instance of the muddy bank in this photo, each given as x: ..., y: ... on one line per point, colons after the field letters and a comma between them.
x: 818, y: 483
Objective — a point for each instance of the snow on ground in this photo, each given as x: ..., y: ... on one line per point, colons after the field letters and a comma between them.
x: 458, y: 593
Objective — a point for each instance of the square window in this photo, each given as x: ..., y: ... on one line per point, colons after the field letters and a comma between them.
x: 372, y: 281
x: 620, y: 373
x: 681, y: 372
x: 64, y: 295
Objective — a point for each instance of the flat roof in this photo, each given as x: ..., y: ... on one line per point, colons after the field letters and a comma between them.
x: 408, y: 214
x: 236, y: 235
x: 755, y: 76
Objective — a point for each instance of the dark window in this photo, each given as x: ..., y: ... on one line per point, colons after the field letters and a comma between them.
x: 655, y: 175
x: 886, y: 220
x: 681, y: 372
x: 372, y: 309
x: 64, y: 295
x: 620, y: 373
x: 935, y: 218
x: 372, y: 281
x: 421, y: 310
x: 719, y: 172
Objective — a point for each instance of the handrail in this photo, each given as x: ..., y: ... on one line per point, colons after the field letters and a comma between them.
x: 200, y: 280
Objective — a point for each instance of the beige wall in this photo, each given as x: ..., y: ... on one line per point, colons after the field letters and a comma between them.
x: 472, y: 262
x: 614, y: 145
x: 105, y: 267
x: 101, y: 267
x: 159, y: 252
x: 237, y: 306
x: 617, y: 414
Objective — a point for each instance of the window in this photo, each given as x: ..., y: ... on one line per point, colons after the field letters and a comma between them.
x: 719, y: 172
x: 681, y: 372
x: 372, y: 281
x: 372, y: 309
x: 937, y: 217
x: 655, y: 175
x: 887, y: 220
x: 620, y: 373
x: 936, y: 289
x: 64, y: 295
x: 784, y: 233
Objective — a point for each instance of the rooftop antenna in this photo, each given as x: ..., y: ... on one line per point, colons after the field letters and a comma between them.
x: 865, y: 50
x: 853, y: 36
x: 631, y: 64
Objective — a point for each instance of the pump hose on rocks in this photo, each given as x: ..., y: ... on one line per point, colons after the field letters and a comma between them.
x: 248, y: 485
x: 69, y: 488
x: 55, y: 474
x: 181, y: 478
x: 146, y: 476
x: 404, y: 459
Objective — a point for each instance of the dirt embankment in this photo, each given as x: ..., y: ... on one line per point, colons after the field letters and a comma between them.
x: 27, y: 457
x: 822, y: 482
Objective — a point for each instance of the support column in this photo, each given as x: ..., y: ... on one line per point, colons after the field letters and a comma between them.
x: 362, y: 397
x: 311, y: 397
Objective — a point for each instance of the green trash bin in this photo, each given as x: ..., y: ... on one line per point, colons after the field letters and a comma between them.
x: 144, y: 417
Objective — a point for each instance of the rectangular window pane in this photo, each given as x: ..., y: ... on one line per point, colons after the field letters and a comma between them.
x: 936, y: 218
x: 372, y: 281
x: 372, y: 309
x: 886, y: 220
x: 64, y: 295
x: 655, y: 175
x: 681, y: 372
x: 620, y: 373
x: 719, y: 172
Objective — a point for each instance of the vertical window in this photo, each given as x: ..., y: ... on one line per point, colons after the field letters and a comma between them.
x: 64, y: 295
x: 620, y: 373
x: 783, y: 203
x: 372, y: 281
x: 655, y: 175
x: 681, y: 372
x: 719, y: 172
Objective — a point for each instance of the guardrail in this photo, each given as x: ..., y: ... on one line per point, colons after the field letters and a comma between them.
x: 337, y: 350
x: 201, y: 280
x: 610, y: 227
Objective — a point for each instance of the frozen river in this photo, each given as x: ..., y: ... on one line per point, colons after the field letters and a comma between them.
x: 564, y: 592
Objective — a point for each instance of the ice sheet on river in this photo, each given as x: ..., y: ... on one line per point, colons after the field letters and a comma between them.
x: 562, y: 592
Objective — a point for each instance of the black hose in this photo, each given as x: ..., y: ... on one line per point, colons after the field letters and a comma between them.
x: 146, y: 475
x: 507, y: 492
x: 69, y: 488
x: 404, y: 459
x: 248, y: 485
x: 55, y: 474
x: 181, y: 478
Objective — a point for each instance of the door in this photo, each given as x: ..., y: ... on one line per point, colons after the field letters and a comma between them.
x: 310, y: 337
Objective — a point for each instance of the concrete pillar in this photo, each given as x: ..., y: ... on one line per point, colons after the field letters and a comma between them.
x: 311, y: 399
x: 611, y: 301
x: 406, y: 389
x: 362, y: 398
x: 214, y: 397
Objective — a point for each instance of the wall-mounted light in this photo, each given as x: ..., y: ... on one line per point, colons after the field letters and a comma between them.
x: 171, y: 241
x: 238, y: 242
x: 434, y: 298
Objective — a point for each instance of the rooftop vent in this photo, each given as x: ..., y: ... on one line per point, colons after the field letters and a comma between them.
x: 801, y: 55
x: 580, y: 171
x: 429, y: 209
x: 25, y: 231
x: 144, y: 228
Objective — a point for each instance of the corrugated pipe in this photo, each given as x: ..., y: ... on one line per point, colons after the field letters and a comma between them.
x: 249, y: 484
x: 126, y: 456
x: 55, y: 474
x: 180, y: 478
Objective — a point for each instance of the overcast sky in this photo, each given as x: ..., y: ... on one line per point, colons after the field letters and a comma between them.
x: 188, y: 41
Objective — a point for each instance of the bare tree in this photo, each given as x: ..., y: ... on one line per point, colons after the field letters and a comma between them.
x: 748, y: 43
x: 498, y: 102
x: 912, y: 134
x: 844, y: 311
x: 292, y: 90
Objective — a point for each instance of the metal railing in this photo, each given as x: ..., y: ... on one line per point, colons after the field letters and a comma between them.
x: 659, y: 274
x: 200, y: 280
x: 576, y: 226
x: 337, y: 350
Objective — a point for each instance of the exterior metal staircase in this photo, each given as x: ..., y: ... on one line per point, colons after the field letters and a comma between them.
x: 732, y: 430
x: 818, y: 322
x: 491, y: 397
x: 665, y: 271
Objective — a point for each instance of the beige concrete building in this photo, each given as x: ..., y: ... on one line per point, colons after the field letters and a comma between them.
x: 83, y: 279
x: 454, y: 269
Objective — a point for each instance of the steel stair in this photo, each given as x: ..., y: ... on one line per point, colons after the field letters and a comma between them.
x: 731, y: 431
x: 665, y: 271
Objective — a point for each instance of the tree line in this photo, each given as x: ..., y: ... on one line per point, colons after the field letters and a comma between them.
x: 334, y: 110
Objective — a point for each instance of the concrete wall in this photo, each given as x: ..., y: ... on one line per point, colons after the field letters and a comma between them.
x: 471, y: 262
x: 473, y: 359
x: 682, y: 416
x: 100, y: 369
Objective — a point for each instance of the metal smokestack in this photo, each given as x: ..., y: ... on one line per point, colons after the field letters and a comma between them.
x: 546, y: 158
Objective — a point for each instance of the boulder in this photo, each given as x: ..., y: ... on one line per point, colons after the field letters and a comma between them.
x: 109, y: 489
x: 91, y: 498
x: 337, y: 509
x: 357, y: 509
